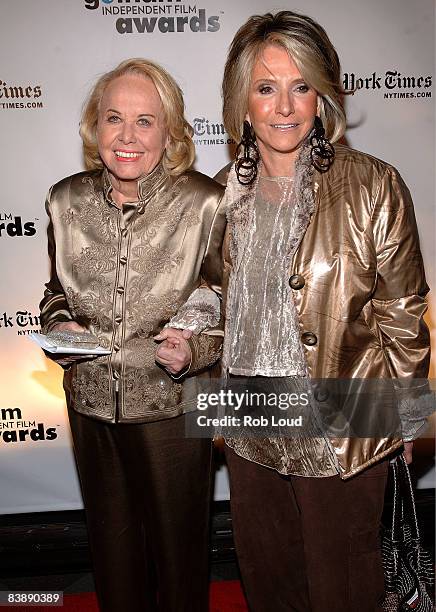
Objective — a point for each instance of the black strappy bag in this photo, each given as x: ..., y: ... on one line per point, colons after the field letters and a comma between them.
x: 408, y: 567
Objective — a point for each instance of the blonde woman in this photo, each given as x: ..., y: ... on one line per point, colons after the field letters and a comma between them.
x: 325, y: 281
x: 129, y: 240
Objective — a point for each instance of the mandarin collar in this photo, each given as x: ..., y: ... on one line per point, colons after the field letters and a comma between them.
x: 147, y: 185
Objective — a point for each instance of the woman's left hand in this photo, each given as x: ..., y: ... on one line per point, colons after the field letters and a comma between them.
x: 174, y: 352
x: 408, y: 450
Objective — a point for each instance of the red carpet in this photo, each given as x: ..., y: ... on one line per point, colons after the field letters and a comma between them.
x: 225, y: 596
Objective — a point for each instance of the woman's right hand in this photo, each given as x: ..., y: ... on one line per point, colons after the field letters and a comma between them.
x: 174, y: 352
x: 64, y: 360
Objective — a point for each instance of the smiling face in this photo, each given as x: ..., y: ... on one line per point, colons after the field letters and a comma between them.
x: 281, y: 109
x: 131, y: 132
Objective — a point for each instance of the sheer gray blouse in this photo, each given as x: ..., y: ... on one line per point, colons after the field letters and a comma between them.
x: 267, y: 341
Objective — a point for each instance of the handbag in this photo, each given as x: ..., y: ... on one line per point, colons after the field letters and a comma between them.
x: 407, y: 566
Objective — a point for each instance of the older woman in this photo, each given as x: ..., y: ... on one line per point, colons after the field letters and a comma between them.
x: 323, y: 279
x: 129, y: 240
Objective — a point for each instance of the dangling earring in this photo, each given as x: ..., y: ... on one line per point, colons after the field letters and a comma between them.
x: 247, y: 156
x: 322, y: 153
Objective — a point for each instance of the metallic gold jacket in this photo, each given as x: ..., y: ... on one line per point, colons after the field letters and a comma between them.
x: 359, y: 285
x: 123, y: 274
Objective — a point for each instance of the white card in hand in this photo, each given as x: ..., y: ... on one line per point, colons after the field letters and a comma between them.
x: 48, y: 345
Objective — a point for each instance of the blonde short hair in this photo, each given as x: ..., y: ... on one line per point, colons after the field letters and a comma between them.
x: 180, y: 152
x: 310, y: 48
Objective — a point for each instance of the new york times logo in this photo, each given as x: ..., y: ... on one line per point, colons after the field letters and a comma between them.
x: 396, y: 84
x: 14, y: 429
x: 14, y: 226
x: 208, y: 132
x: 19, y: 96
x: 161, y: 16
x: 26, y: 322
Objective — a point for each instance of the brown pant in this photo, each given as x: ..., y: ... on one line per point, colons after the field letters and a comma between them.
x: 146, y: 490
x: 307, y: 544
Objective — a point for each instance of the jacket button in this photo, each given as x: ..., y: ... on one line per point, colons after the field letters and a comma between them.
x: 116, y: 347
x: 115, y: 375
x: 309, y: 338
x: 297, y: 281
x: 123, y: 260
x: 120, y: 290
x: 118, y: 319
x: 124, y: 232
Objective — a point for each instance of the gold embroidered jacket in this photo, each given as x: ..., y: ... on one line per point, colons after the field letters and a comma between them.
x: 359, y: 286
x: 123, y: 274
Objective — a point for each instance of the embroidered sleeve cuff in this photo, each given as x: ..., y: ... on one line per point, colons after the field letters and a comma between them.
x: 205, y: 351
x: 200, y: 311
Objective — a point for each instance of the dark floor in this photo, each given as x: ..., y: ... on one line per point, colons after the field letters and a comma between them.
x: 49, y: 551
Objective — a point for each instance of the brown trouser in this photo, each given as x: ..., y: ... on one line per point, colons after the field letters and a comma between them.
x: 307, y: 544
x: 146, y: 490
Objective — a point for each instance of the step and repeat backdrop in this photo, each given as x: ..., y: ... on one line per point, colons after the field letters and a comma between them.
x: 52, y: 52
